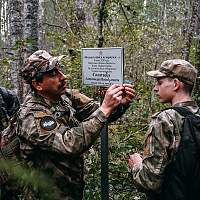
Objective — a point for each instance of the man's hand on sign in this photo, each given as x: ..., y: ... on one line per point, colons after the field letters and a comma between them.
x: 112, y: 99
x: 128, y: 94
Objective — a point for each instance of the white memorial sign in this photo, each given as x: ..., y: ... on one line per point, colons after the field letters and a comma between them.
x: 102, y: 66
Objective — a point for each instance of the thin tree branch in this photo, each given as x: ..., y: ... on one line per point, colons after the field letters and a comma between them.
x: 121, y: 6
x: 55, y: 25
x: 130, y: 135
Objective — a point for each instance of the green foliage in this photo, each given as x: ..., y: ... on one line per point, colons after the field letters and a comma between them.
x: 5, y: 72
x: 125, y: 137
x: 29, y: 178
x: 195, y: 60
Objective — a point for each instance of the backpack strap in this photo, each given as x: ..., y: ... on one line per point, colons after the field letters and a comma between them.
x: 183, y: 111
x: 193, y: 131
x: 4, y: 94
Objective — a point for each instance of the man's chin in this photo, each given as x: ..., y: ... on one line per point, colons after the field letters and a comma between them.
x: 162, y: 100
x: 63, y: 90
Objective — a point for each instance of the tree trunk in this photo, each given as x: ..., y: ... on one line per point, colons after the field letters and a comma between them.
x: 31, y: 16
x: 31, y: 34
x: 80, y: 13
x: 4, y: 22
x: 41, y: 30
x: 197, y: 59
x: 186, y: 17
x: 1, y: 7
x: 191, y: 29
x: 100, y: 22
x: 16, y: 35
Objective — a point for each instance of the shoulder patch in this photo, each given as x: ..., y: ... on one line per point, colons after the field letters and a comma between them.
x: 48, y: 123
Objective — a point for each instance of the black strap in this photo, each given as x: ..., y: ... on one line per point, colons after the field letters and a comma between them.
x: 183, y: 111
x: 4, y: 94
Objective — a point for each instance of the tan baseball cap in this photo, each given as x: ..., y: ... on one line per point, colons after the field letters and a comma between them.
x: 39, y: 61
x: 176, y: 68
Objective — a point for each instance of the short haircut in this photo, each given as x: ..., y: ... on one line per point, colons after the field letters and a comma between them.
x: 187, y: 88
x: 38, y: 78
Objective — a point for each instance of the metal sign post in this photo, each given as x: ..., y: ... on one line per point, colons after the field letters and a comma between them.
x: 104, y: 163
x: 103, y: 67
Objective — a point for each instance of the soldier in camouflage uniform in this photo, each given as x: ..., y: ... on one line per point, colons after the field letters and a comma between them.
x: 9, y: 105
x: 175, y: 81
x: 57, y: 125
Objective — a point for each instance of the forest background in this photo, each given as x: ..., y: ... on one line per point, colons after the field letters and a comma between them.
x: 150, y: 32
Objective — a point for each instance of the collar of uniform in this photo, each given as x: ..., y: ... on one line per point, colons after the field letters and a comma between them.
x: 186, y: 103
x: 42, y: 100
x: 46, y: 101
x: 35, y: 98
x: 191, y: 105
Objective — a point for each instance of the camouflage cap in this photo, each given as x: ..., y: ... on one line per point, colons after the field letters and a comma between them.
x: 176, y: 68
x: 39, y: 61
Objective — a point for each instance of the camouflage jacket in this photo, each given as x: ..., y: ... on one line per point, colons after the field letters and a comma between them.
x: 161, y: 143
x: 9, y: 104
x: 54, y: 137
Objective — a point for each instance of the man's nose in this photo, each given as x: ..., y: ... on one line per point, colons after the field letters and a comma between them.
x: 62, y: 75
x: 155, y: 88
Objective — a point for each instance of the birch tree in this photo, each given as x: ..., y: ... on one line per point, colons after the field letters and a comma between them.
x: 191, y: 29
x: 80, y: 13
x: 197, y: 57
x: 31, y: 19
x: 16, y: 35
x: 31, y: 36
x: 1, y: 6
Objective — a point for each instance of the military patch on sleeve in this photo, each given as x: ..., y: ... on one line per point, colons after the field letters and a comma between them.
x: 48, y: 123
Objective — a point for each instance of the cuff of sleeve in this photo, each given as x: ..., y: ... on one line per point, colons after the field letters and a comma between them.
x: 99, y: 115
x: 137, y: 167
x: 121, y: 108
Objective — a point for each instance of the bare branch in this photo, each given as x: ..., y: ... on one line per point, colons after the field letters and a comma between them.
x: 130, y: 135
x: 121, y: 6
x: 55, y: 25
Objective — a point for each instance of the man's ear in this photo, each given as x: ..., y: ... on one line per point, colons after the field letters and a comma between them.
x: 36, y: 85
x: 177, y: 84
